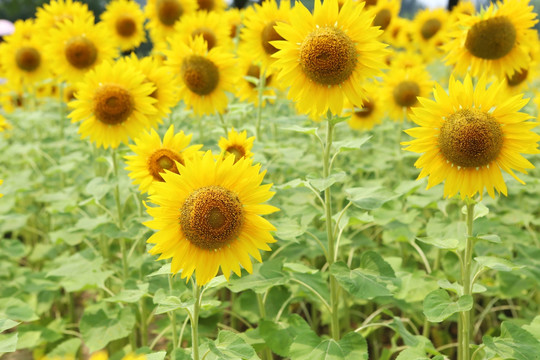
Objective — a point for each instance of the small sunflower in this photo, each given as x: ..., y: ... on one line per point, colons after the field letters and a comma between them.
x: 400, y: 33
x: 233, y: 17
x: 259, y: 31
x: 204, y: 76
x: 371, y: 112
x: 158, y: 75
x: 55, y: 13
x: 495, y: 41
x: 406, y: 60
x: 77, y: 46
x: 69, y: 93
x: 152, y: 156
x: 431, y: 26
x: 246, y: 89
x: 469, y: 135
x: 211, y: 5
x: 164, y: 14
x: 401, y: 87
x: 22, y: 57
x: 113, y: 104
x: 384, y: 13
x: 521, y: 79
x: 125, y: 21
x: 210, y: 25
x: 326, y: 55
x: 237, y: 144
x: 209, y: 216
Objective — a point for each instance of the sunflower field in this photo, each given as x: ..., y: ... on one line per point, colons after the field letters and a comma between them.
x: 274, y: 182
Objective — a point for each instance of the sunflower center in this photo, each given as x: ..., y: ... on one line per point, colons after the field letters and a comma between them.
x: 370, y: 2
x: 211, y: 217
x: 406, y: 92
x: 207, y: 5
x: 80, y: 52
x: 161, y: 160
x: 517, y: 78
x: 366, y: 109
x: 200, y: 74
x: 470, y: 138
x: 328, y: 56
x: 125, y: 26
x: 382, y: 19
x: 491, y: 38
x: 430, y: 28
x: 237, y: 150
x: 208, y: 36
x: 113, y: 104
x: 255, y: 71
x: 269, y: 34
x: 169, y: 11
x: 27, y: 58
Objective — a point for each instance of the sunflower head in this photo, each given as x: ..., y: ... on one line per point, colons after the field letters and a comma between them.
x: 237, y: 144
x: 124, y: 20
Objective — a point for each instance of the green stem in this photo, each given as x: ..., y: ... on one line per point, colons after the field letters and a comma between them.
x: 334, y: 287
x: 144, y: 331
x: 260, y: 88
x: 120, y: 222
x: 197, y: 293
x: 62, y: 125
x: 223, y: 124
x: 267, y: 354
x: 466, y: 316
x: 172, y: 315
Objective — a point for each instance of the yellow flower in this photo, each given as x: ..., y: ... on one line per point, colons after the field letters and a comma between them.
x: 1, y: 181
x: 102, y: 355
x: 365, y: 117
x: 237, y: 144
x: 469, y: 135
x: 430, y: 32
x: 211, y: 5
x: 204, y: 76
x: 124, y: 20
x: 248, y: 90
x: 152, y: 157
x: 325, y: 56
x: 493, y: 42
x: 164, y: 14
x: 77, y: 46
x: 54, y: 14
x: 210, y: 25
x: 4, y: 125
x: 401, y: 87
x: 113, y: 104
x: 384, y: 13
x: 209, y: 216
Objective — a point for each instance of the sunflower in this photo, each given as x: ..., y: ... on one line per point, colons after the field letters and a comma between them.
x: 495, y: 41
x: 152, y: 157
x: 208, y: 216
x: 4, y: 124
x: 69, y: 93
x: 469, y: 135
x: 250, y: 68
x: 406, y: 60
x: 158, y: 75
x: 22, y: 57
x: 164, y: 14
x: 54, y: 14
x: 237, y: 144
x: 326, y: 55
x: 125, y: 21
x: 233, y: 17
x: 210, y: 25
x: 78, y: 46
x: 102, y: 355
x: 401, y: 87
x: 400, y: 33
x: 431, y: 26
x: 211, y: 5
x: 114, y: 104
x: 365, y: 117
x: 384, y: 13
x: 259, y: 30
x: 204, y: 76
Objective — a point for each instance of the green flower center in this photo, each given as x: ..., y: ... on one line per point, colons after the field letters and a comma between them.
x: 161, y: 160
x: 491, y: 39
x: 237, y: 150
x: 430, y: 28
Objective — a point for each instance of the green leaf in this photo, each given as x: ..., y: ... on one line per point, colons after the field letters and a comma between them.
x: 447, y: 244
x: 98, y: 327
x: 321, y: 184
x: 88, y: 223
x: 496, y: 263
x: 163, y: 270
x: 438, y: 306
x: 412, y: 354
x: 98, y: 187
x: 311, y: 347
x: 278, y: 336
x: 230, y: 346
x: 300, y: 129
x: 67, y: 348
x: 8, y: 343
x: 514, y: 343
x: 370, y: 280
x: 269, y: 274
x: 491, y: 238
x: 351, y: 144
x: 13, y: 308
x: 6, y: 324
x: 130, y: 296
x: 534, y: 327
x: 79, y: 273
x: 369, y: 198
x: 71, y: 238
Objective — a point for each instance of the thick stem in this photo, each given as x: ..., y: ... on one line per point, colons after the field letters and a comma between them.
x: 223, y: 124
x: 267, y: 354
x: 195, y: 322
x: 144, y: 331
x: 334, y: 287
x: 260, y: 88
x: 172, y: 316
x: 120, y: 222
x: 466, y: 316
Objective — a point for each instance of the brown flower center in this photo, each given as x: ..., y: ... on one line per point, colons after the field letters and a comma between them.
x: 80, y: 52
x: 382, y: 19
x: 255, y: 71
x: 211, y: 217
x: 208, y: 36
x: 125, y: 26
x: 470, y: 138
x: 517, y: 78
x: 200, y: 74
x: 237, y: 150
x: 491, y: 38
x: 207, y: 5
x: 406, y: 92
x: 269, y: 34
x: 370, y: 2
x: 430, y: 28
x: 27, y: 58
x: 328, y: 56
x: 169, y: 11
x: 161, y: 160
x: 366, y: 109
x: 112, y: 104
